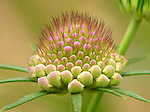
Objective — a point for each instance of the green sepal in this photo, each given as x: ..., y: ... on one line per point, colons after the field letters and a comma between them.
x: 13, y: 67
x: 17, y: 79
x: 77, y: 102
x: 130, y: 94
x: 25, y: 99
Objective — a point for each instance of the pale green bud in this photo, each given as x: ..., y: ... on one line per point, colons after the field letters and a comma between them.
x: 50, y: 68
x: 115, y: 80
x: 40, y: 70
x: 34, y: 77
x: 105, y: 60
x: 85, y: 78
x: 118, y: 57
x: 43, y: 83
x: 55, y: 79
x: 34, y: 60
x: 75, y: 86
x: 66, y: 76
x: 119, y: 67
x: 101, y: 81
x: 112, y: 62
x: 31, y: 70
x: 109, y: 71
x: 95, y: 71
x: 101, y: 64
x: 76, y: 70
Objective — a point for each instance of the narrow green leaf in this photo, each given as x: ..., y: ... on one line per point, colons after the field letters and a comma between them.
x: 139, y: 72
x: 77, y: 102
x: 13, y: 67
x: 131, y: 94
x: 110, y: 91
x: 25, y: 99
x: 135, y: 60
x: 17, y: 79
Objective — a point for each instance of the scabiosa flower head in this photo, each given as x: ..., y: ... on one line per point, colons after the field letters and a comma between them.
x: 75, y: 52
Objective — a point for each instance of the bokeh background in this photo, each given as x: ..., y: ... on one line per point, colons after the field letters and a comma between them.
x: 20, y: 24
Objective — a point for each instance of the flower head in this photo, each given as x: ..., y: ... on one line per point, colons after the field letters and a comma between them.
x: 76, y: 48
x: 138, y: 8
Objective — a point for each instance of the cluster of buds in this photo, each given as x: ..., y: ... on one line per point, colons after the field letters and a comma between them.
x: 76, y: 52
x: 139, y: 8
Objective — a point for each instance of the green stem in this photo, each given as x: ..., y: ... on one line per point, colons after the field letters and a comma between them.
x: 94, y: 102
x: 129, y: 34
x: 12, y: 67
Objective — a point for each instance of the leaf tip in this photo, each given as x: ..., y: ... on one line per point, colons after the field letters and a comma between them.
x: 124, y: 98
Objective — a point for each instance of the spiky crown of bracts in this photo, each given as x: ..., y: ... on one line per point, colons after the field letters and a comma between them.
x: 76, y: 51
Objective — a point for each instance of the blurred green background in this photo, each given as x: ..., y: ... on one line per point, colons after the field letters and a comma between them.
x: 20, y: 24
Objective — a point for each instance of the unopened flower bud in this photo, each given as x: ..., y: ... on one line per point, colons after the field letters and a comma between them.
x: 54, y: 79
x: 56, y: 61
x: 98, y: 58
x: 69, y: 41
x: 43, y: 83
x: 85, y: 78
x: 66, y: 76
x: 69, y: 65
x: 34, y: 60
x: 64, y: 60
x: 75, y: 35
x: 92, y: 54
x: 76, y: 70
x: 118, y: 57
x: 40, y: 70
x: 112, y: 62
x: 75, y: 86
x: 82, y: 39
x: 50, y: 68
x: 101, y: 81
x: 82, y: 32
x: 91, y: 41
x: 101, y: 64
x: 80, y: 54
x: 78, y: 63
x: 95, y: 71
x: 109, y: 70
x: 60, y: 45
x: 87, y: 48
x: 31, y: 70
x: 86, y: 67
x: 105, y: 60
x: 93, y: 62
x: 68, y: 50
x: 115, y: 80
x: 119, y: 67
x: 73, y: 58
x: 76, y: 45
x: 86, y: 59
x: 60, y: 67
